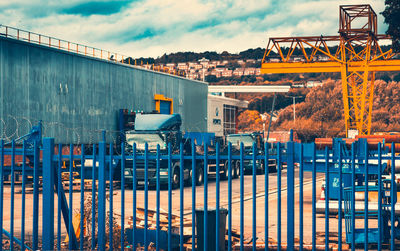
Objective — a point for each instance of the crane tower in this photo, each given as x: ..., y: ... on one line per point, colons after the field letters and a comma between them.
x: 355, y: 53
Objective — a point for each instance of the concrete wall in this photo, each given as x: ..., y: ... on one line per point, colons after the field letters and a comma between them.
x: 76, y: 96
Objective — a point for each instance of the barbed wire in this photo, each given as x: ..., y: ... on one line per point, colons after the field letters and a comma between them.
x: 13, y: 127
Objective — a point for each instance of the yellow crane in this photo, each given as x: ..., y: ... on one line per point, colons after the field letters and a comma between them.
x: 355, y: 53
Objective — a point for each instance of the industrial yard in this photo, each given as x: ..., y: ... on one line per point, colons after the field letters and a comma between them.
x: 99, y: 151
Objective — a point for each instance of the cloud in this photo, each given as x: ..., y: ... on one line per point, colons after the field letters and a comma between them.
x: 154, y: 27
x: 96, y: 8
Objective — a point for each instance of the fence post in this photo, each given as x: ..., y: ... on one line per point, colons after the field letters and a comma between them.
x: 48, y: 194
x: 102, y: 196
x: 290, y: 195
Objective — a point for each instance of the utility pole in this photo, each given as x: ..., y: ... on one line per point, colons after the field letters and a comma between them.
x: 294, y: 107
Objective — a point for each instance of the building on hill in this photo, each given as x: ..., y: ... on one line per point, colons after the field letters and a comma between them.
x: 249, y: 71
x: 182, y: 66
x: 227, y: 73
x: 216, y: 73
x: 193, y: 75
x: 313, y: 83
x: 238, y: 72
x: 212, y: 64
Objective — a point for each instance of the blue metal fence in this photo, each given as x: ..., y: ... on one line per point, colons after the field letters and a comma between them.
x: 43, y: 167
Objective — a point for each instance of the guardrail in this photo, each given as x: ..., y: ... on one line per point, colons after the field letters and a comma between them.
x: 268, y: 213
x: 56, y: 43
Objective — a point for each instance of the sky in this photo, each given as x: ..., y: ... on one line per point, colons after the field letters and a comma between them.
x: 150, y: 28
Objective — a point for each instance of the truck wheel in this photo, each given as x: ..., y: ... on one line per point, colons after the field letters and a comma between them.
x: 189, y: 180
x: 237, y: 169
x: 233, y: 170
x: 273, y: 168
x: 262, y: 170
x: 199, y: 176
x: 224, y: 175
x: 175, y: 177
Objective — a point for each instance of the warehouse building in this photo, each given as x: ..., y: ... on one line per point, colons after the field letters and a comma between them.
x: 77, y: 96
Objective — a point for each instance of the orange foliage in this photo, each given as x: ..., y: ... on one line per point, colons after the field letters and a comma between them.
x: 250, y: 121
x: 321, y: 114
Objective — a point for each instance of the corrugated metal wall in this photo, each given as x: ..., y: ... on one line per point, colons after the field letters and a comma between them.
x: 76, y: 96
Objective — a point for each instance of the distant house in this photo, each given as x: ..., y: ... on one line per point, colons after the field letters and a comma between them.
x: 212, y: 65
x: 312, y: 83
x: 182, y: 66
x: 198, y: 66
x: 249, y: 71
x: 298, y: 59
x: 258, y: 71
x: 241, y: 62
x: 170, y: 66
x: 216, y: 73
x: 205, y: 64
x: 193, y: 75
x: 252, y: 61
x: 147, y: 66
x: 323, y: 58
x: 238, y: 72
x: 274, y: 60
x: 191, y: 64
x: 225, y: 62
x: 299, y: 85
x: 227, y: 73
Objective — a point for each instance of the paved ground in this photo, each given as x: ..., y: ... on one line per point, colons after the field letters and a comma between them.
x: 187, y: 201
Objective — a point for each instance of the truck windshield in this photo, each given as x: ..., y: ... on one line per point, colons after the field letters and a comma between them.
x: 140, y: 139
x: 237, y: 139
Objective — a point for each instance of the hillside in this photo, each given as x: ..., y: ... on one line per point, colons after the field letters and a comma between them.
x: 319, y: 110
x: 321, y: 113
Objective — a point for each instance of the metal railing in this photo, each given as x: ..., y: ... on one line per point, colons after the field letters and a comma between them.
x: 56, y: 43
x: 255, y: 204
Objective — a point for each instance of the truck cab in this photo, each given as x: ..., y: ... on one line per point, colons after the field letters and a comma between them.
x: 162, y: 130
x: 248, y: 139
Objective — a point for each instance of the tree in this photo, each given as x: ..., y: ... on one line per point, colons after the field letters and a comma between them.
x: 385, y: 77
x: 392, y: 18
x: 397, y: 77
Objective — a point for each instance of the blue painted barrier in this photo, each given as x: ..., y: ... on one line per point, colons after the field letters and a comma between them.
x: 293, y: 160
